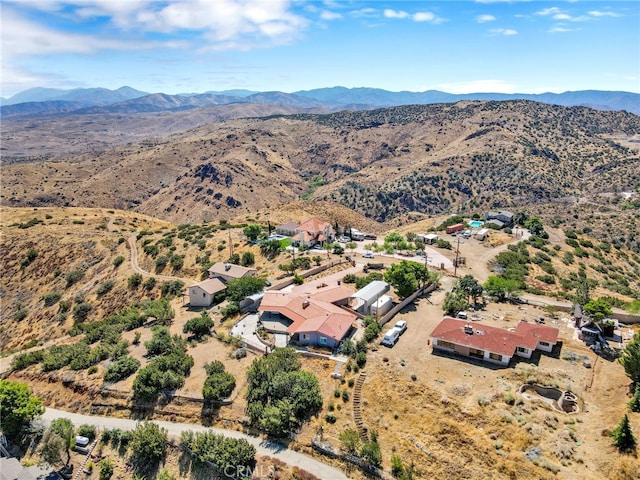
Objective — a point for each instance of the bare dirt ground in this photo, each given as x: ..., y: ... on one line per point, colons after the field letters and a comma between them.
x: 443, y: 411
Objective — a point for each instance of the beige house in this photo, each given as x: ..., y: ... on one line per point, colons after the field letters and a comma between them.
x: 202, y: 294
x: 313, y: 231
x: 229, y: 271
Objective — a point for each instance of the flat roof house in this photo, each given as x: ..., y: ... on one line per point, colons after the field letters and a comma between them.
x: 229, y: 271
x: 492, y: 344
x: 202, y: 294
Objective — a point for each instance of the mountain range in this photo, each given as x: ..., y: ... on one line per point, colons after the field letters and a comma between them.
x: 126, y: 100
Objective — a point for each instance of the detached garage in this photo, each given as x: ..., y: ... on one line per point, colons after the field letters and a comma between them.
x: 202, y: 294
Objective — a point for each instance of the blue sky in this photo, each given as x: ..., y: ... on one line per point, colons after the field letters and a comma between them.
x: 178, y: 46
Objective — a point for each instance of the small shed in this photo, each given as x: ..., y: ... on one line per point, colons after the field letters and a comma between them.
x: 381, y: 306
x: 482, y: 234
x: 428, y: 239
x: 364, y: 298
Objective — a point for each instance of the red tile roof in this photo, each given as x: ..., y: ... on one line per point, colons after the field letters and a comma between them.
x: 311, y: 312
x: 313, y: 225
x: 493, y: 339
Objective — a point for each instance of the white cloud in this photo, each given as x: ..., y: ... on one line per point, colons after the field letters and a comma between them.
x: 504, y: 31
x: 427, y: 17
x: 598, y: 13
x: 229, y: 21
x: 416, y: 17
x: 328, y: 15
x: 389, y: 13
x: 485, y: 18
x: 569, y: 18
x: 561, y: 29
x: 548, y: 11
x: 363, y: 12
x: 477, y: 86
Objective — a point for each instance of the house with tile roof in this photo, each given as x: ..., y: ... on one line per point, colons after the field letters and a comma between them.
x: 230, y: 271
x: 492, y: 344
x: 312, y: 317
x: 313, y: 231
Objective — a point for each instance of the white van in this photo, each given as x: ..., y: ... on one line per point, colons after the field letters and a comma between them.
x: 391, y: 337
x: 463, y: 315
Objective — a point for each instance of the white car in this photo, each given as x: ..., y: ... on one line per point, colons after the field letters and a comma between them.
x: 401, y: 326
x: 368, y: 255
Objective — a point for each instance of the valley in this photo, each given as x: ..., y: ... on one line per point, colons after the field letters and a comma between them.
x: 105, y: 232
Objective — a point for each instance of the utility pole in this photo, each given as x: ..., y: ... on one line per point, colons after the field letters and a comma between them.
x: 455, y: 265
x: 230, y: 245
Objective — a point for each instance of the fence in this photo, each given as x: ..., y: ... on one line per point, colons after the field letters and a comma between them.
x: 421, y: 291
x: 328, y: 450
x: 621, y: 316
x: 308, y: 273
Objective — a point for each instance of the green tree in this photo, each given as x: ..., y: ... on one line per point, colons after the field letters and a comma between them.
x: 351, y: 245
x: 350, y: 440
x: 17, y: 407
x: 634, y: 404
x: 406, y: 277
x: 240, y: 288
x: 148, y: 445
x: 217, y: 387
x: 317, y: 259
x: 370, y: 452
x: 248, y: 259
x: 81, y: 311
x: 519, y: 218
x: 501, y: 288
x: 279, y: 394
x: 106, y: 469
x: 134, y: 281
x: 454, y: 302
x: 270, y: 249
x: 623, y: 438
x: 63, y: 428
x: 252, y: 232
x: 598, y: 309
x: 199, y: 326
x: 630, y: 359
x: 534, y: 225
x: 470, y: 286
x: 51, y: 448
x: 582, y: 292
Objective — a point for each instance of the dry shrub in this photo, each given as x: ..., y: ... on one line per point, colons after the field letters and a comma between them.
x: 622, y: 467
x: 460, y: 390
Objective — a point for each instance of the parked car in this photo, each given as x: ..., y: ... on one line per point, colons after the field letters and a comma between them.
x: 401, y: 326
x: 463, y: 315
x: 390, y: 337
x: 344, y: 239
x: 368, y: 255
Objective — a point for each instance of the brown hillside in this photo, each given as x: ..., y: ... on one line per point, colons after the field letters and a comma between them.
x: 387, y: 164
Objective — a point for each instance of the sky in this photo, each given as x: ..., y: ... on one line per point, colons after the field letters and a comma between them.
x: 193, y: 46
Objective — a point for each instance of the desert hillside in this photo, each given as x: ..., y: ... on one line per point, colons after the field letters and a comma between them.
x: 383, y: 164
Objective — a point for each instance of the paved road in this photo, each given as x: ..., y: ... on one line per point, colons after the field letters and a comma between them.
x: 290, y: 457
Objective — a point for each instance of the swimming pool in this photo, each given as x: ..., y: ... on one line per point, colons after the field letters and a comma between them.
x: 475, y: 223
